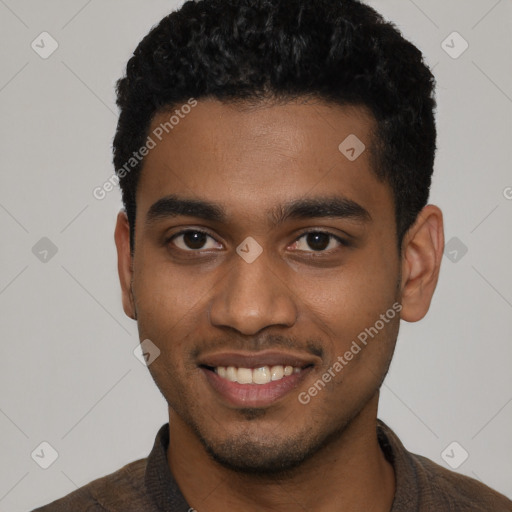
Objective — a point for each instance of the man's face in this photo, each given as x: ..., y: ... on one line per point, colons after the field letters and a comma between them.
x: 327, y: 271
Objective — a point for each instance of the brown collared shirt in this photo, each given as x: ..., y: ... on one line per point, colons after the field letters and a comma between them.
x: 147, y: 485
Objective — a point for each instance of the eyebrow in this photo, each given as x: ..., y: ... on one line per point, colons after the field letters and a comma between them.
x: 331, y: 207
x: 309, y: 208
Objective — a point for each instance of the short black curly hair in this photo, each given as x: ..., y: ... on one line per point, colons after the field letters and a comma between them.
x: 340, y: 51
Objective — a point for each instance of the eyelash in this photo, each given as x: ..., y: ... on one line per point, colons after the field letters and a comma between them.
x: 340, y: 240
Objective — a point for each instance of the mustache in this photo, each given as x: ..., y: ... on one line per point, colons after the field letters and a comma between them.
x: 258, y: 343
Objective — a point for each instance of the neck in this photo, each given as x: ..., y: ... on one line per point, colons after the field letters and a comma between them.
x: 349, y: 473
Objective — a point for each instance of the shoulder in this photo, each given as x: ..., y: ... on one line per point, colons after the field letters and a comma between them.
x: 121, y: 490
x: 423, y: 485
x: 447, y: 490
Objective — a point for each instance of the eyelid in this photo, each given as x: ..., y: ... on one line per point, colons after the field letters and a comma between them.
x: 169, y: 239
x: 342, y: 242
x: 325, y: 231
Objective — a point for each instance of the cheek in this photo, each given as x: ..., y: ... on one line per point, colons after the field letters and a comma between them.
x: 358, y: 312
x: 168, y: 298
x: 355, y: 297
x: 166, y: 315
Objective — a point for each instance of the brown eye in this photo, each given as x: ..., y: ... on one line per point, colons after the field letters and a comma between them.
x: 317, y: 241
x: 194, y: 240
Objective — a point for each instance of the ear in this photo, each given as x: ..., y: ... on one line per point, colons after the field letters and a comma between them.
x: 125, y: 263
x: 422, y: 252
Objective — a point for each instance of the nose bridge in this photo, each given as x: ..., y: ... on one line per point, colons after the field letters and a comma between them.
x: 252, y: 297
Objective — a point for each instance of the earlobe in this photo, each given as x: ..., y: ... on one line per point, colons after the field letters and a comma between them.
x: 125, y: 263
x: 422, y: 252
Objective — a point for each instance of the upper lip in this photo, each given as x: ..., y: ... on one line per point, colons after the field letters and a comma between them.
x: 256, y: 359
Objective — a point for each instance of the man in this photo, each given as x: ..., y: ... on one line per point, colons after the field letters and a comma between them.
x: 275, y: 159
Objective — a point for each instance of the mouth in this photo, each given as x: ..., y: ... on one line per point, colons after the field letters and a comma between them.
x: 254, y: 380
x: 260, y: 376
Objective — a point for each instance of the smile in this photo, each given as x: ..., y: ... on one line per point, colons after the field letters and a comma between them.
x: 261, y: 375
x: 255, y: 379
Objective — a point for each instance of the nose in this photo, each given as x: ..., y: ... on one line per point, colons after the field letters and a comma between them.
x: 252, y: 297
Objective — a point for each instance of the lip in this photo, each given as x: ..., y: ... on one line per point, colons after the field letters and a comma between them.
x: 253, y: 395
x: 256, y: 359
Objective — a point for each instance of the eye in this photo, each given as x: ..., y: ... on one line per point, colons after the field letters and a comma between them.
x: 194, y: 240
x: 317, y: 241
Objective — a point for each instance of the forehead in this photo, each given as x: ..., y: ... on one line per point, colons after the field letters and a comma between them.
x: 252, y: 158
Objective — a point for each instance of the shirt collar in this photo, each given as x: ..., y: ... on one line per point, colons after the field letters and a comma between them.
x: 160, y: 483
x: 406, y: 479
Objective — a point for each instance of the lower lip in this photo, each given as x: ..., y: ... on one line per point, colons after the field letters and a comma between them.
x: 254, y: 395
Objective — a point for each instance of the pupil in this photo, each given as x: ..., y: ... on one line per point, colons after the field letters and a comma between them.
x: 194, y: 239
x: 318, y: 241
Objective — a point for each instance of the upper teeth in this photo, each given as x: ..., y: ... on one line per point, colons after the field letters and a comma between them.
x: 261, y: 375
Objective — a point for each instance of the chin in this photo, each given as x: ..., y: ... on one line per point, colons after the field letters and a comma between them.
x: 265, y: 452
x: 249, y: 457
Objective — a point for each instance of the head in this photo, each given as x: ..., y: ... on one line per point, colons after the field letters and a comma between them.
x: 277, y: 212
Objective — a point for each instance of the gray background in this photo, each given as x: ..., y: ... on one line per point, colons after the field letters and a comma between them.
x: 68, y: 375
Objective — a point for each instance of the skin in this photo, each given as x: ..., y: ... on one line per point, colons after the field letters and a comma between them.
x: 285, y: 456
